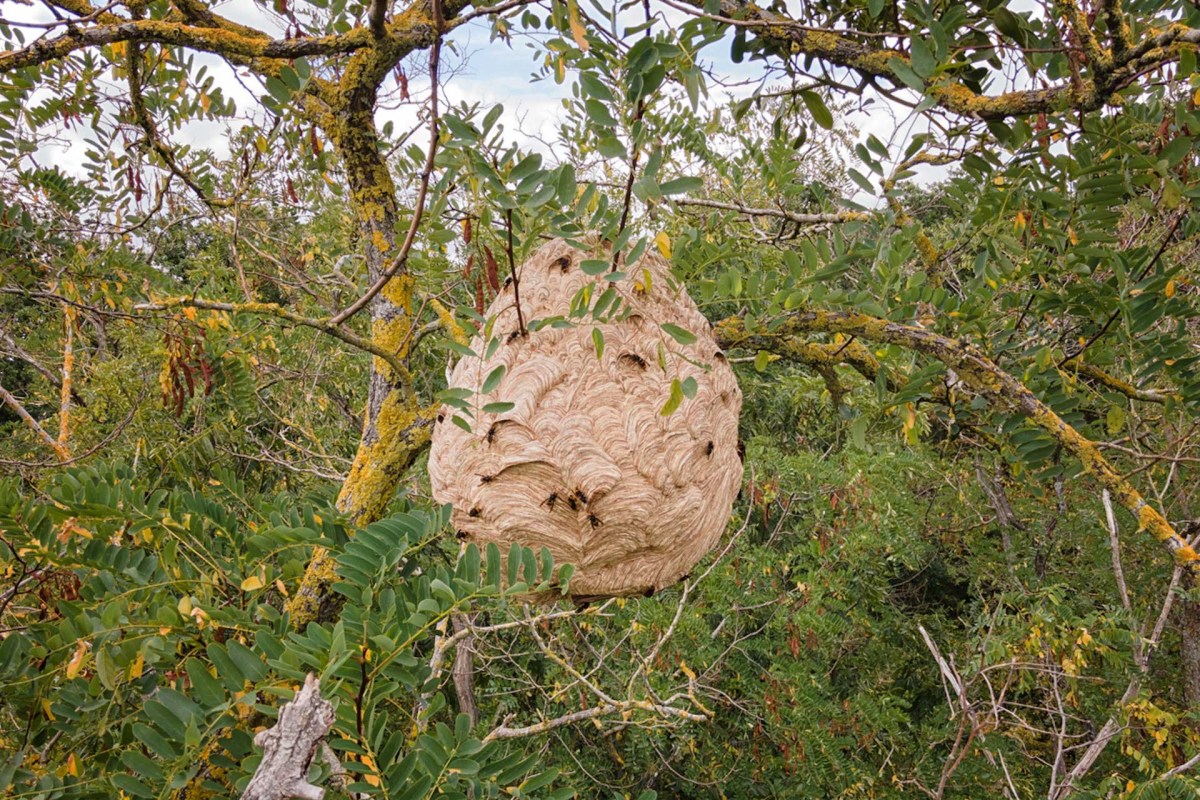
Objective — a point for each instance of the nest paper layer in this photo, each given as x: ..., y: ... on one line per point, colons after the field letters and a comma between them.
x: 585, y: 463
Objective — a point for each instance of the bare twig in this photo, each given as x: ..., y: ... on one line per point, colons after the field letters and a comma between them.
x: 15, y: 405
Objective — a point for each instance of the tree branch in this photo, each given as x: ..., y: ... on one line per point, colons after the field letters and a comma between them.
x: 210, y: 40
x: 982, y: 375
x: 275, y: 310
x: 15, y: 405
x: 840, y: 48
x: 801, y: 219
x: 289, y: 747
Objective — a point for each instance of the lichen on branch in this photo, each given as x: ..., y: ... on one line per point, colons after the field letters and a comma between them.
x: 983, y: 376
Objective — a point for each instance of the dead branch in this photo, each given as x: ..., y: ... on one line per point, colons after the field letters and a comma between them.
x: 289, y: 747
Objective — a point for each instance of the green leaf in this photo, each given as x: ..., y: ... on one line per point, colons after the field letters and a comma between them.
x: 861, y: 181
x: 205, y: 687
x: 131, y: 786
x: 278, y: 90
x: 593, y: 266
x: 598, y: 342
x: 817, y: 108
x: 678, y: 334
x: 499, y: 407
x: 514, y: 562
x: 923, y: 61
x: 681, y: 186
x: 141, y: 765
x: 598, y: 113
x: 493, y: 565
x: 673, y: 399
x: 906, y: 74
x: 461, y: 349
x: 594, y: 87
x: 249, y: 663
x: 493, y: 379
x: 611, y: 147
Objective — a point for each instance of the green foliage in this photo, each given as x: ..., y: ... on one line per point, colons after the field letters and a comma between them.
x: 143, y: 580
x: 144, y: 640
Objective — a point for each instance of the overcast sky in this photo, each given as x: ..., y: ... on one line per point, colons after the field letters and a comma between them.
x: 486, y: 72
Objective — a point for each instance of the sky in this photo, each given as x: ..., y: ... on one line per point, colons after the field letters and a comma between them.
x: 486, y: 72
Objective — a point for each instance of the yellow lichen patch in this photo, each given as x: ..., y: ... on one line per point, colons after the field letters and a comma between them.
x: 399, y: 292
x: 390, y: 335
x: 453, y: 329
x: 929, y: 253
x: 981, y: 375
x: 390, y: 444
x: 305, y: 604
x: 381, y: 243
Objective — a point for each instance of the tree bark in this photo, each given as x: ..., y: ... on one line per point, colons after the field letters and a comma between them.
x: 1189, y: 646
x: 464, y: 669
x: 288, y: 748
x: 395, y: 426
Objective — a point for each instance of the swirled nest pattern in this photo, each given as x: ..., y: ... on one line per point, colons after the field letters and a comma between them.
x: 584, y: 462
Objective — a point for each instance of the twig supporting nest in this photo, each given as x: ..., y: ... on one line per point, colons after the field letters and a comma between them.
x: 288, y: 748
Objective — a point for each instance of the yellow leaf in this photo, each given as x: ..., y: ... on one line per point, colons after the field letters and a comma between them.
x: 252, y: 583
x: 1169, y: 289
x: 664, y: 243
x: 190, y: 313
x: 76, y: 662
x: 910, y: 423
x: 135, y: 669
x: 46, y: 709
x: 371, y: 777
x: 73, y: 765
x: 578, y: 32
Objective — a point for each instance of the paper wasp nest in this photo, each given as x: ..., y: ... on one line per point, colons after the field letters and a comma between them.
x: 584, y: 462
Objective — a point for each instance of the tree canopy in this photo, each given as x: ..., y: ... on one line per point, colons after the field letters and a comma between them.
x: 949, y: 248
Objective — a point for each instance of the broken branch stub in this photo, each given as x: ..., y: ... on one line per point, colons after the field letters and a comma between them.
x: 288, y: 748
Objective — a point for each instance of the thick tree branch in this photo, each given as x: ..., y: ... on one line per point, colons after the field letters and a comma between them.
x: 210, y: 40
x: 981, y: 374
x: 842, y: 49
x: 401, y: 260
